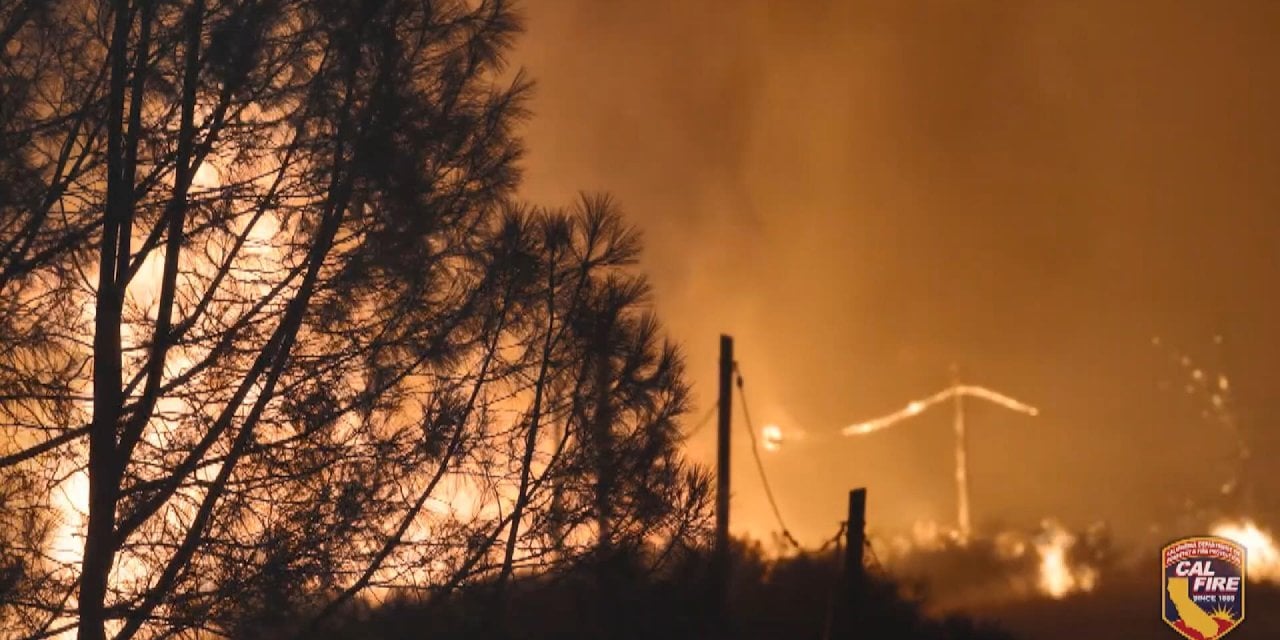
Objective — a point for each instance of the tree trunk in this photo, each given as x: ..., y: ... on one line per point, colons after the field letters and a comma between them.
x: 104, y: 468
x: 606, y: 569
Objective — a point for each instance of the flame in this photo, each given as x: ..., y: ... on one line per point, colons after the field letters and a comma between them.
x: 71, y: 494
x: 71, y: 498
x: 1058, y: 578
x: 998, y: 566
x: 772, y: 437
x: 1010, y: 545
x: 1263, y: 556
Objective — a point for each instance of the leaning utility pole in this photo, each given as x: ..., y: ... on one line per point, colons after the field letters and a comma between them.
x: 720, y: 559
x: 962, y: 459
x: 956, y: 392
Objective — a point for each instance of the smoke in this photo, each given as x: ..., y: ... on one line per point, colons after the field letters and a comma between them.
x: 864, y: 192
x: 1047, y: 562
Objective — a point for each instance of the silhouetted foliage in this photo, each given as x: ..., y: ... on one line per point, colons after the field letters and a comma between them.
x: 778, y: 598
x: 804, y: 595
x: 272, y: 322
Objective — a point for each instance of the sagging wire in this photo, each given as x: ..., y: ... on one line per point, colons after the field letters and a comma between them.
x: 871, y: 560
x: 703, y: 422
x: 755, y: 452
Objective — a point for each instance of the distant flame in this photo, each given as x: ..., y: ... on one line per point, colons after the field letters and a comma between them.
x: 72, y: 500
x: 1058, y: 578
x: 772, y: 436
x: 928, y: 535
x: 1263, y: 557
x: 1010, y: 545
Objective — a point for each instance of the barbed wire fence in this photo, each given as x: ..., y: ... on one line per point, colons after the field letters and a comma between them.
x: 871, y: 565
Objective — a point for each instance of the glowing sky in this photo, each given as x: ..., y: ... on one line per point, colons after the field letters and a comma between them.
x: 864, y: 192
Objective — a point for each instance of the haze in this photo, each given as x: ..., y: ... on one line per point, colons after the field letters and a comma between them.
x: 862, y: 193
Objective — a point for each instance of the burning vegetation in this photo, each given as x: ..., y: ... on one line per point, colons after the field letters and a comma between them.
x: 1262, y: 556
x: 1049, y: 561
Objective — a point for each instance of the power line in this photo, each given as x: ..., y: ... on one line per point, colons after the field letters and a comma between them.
x: 755, y: 452
x: 703, y: 422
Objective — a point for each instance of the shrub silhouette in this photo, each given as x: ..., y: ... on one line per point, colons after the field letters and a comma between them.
x: 793, y: 597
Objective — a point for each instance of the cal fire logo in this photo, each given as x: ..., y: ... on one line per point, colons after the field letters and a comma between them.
x: 1204, y: 580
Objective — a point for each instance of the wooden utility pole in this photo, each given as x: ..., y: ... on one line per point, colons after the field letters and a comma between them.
x: 956, y: 392
x: 962, y: 461
x: 720, y: 559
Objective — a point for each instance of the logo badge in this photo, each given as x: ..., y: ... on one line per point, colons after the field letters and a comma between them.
x: 1202, y: 586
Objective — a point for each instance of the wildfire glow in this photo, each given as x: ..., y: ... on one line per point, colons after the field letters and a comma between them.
x: 1016, y: 564
x: 772, y: 437
x: 71, y: 498
x: 1263, y: 557
x: 1058, y: 578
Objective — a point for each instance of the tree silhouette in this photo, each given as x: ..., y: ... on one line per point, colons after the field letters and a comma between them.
x: 266, y: 296
x: 617, y: 481
x: 770, y: 597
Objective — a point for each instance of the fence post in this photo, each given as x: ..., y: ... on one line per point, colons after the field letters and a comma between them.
x: 854, y: 574
x: 855, y: 536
